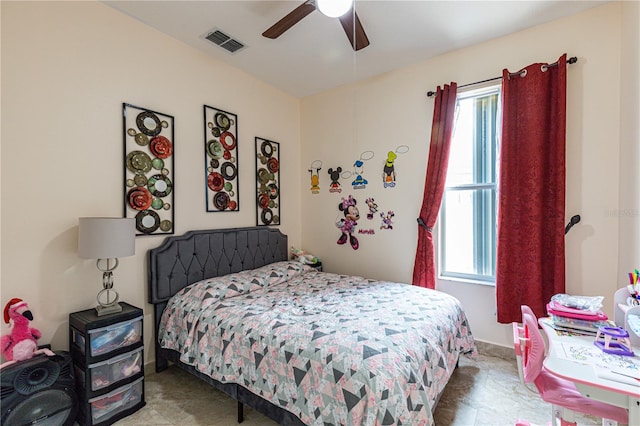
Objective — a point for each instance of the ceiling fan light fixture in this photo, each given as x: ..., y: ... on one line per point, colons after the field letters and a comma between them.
x: 334, y: 8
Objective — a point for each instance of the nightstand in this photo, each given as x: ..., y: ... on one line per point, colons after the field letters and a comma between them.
x: 108, y: 360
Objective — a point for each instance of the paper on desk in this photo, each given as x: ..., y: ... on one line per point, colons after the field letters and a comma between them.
x: 623, y: 376
x: 583, y: 353
x: 621, y: 369
x: 590, y: 354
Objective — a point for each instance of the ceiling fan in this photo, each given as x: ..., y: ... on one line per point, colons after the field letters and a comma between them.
x: 349, y: 20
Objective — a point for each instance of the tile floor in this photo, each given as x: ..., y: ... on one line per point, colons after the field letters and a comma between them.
x: 482, y: 392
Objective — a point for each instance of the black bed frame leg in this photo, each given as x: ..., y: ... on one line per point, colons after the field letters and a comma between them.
x: 240, y: 412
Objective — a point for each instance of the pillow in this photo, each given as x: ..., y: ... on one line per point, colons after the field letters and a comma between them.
x: 279, y: 272
x: 212, y: 290
x: 193, y: 299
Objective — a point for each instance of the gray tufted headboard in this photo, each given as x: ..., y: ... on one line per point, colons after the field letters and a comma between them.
x: 197, y: 255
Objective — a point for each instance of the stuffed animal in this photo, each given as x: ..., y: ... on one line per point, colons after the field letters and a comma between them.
x: 303, y: 257
x: 21, y: 344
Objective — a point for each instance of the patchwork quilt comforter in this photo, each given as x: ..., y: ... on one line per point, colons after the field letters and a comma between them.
x: 331, y: 349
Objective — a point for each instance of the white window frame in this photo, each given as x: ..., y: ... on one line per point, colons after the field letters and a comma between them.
x: 485, y: 89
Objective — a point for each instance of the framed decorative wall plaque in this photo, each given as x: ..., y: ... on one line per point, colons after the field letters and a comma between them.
x: 221, y: 160
x: 148, y: 169
x: 268, y: 182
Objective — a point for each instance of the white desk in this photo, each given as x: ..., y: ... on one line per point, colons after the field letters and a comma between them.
x: 583, y: 374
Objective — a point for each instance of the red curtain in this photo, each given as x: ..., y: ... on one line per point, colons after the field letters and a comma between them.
x: 424, y: 268
x: 530, y: 247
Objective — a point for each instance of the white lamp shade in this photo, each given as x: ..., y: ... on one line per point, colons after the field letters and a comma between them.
x: 334, y: 8
x: 106, y: 237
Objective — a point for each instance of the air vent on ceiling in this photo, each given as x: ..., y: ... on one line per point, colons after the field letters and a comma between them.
x: 223, y: 40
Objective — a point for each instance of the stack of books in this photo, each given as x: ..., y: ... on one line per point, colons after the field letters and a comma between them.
x: 576, y: 320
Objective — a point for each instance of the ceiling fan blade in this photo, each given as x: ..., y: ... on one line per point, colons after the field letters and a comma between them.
x: 347, y: 20
x: 295, y: 16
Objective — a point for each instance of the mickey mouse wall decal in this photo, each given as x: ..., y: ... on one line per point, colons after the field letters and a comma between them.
x: 334, y: 175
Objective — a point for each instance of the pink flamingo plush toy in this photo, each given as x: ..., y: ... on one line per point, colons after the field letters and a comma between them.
x: 21, y: 344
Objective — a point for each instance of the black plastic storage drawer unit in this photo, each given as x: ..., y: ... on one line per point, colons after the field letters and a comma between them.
x: 108, y: 359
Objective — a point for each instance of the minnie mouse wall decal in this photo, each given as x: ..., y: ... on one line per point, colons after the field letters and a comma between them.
x: 348, y: 224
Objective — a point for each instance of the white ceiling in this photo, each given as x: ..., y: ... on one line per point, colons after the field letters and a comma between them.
x: 315, y: 54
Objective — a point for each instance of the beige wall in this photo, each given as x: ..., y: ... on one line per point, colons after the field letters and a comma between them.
x: 67, y: 67
x: 391, y: 110
x: 629, y: 212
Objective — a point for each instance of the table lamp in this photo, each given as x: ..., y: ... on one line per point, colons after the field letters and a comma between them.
x: 106, y: 239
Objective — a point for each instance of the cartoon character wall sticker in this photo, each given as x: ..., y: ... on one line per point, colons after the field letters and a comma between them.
x: 389, y: 169
x: 386, y: 220
x: 316, y: 166
x: 349, y: 215
x: 373, y: 207
x: 347, y: 224
x: 359, y: 182
x: 334, y: 175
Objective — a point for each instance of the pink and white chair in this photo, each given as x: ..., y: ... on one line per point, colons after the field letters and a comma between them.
x: 562, y: 394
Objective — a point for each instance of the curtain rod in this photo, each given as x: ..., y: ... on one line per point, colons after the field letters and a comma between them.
x: 571, y: 60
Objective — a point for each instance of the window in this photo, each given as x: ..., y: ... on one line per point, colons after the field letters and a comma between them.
x: 468, y: 214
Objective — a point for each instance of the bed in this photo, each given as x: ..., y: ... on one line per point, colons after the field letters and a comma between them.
x: 299, y: 345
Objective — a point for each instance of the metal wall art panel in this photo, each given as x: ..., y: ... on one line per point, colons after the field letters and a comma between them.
x: 221, y: 160
x: 148, y: 169
x: 268, y: 182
